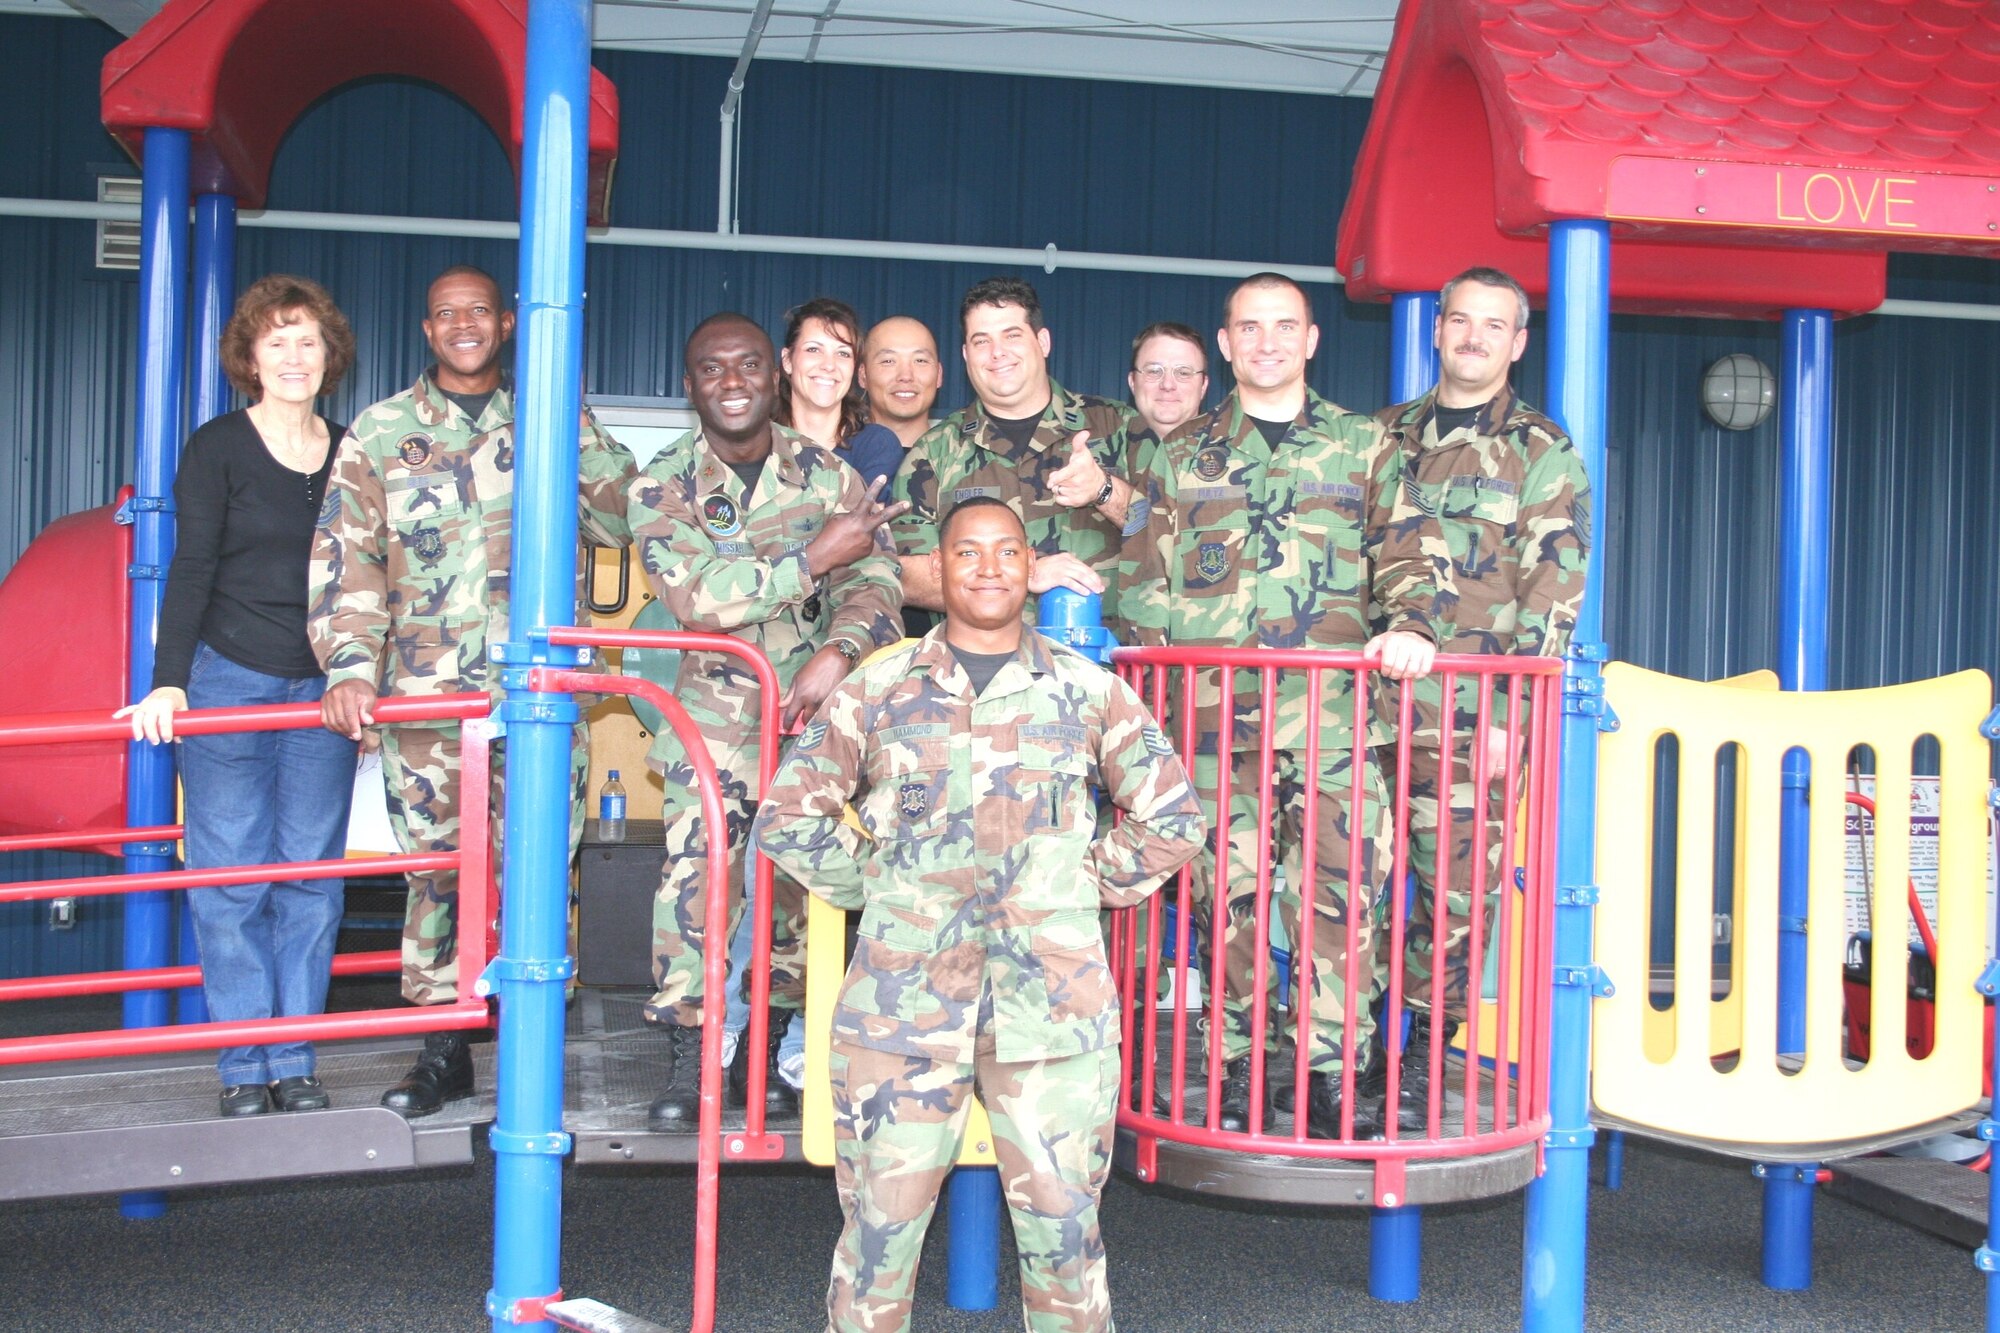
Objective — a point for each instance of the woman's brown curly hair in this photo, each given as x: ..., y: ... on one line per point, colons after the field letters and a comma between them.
x: 272, y: 302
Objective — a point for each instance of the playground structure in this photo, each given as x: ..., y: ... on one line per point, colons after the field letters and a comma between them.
x: 1680, y: 249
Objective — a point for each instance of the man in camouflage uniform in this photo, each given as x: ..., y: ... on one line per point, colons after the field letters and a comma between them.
x: 1056, y: 457
x: 748, y: 529
x: 1270, y: 523
x: 1510, y: 494
x: 970, y: 757
x: 409, y: 589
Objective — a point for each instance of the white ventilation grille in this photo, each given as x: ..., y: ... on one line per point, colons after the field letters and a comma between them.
x: 117, y: 242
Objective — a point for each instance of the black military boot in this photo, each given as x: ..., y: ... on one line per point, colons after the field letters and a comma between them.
x: 1235, y: 1115
x: 441, y: 1074
x: 1413, y: 1095
x: 779, y: 1097
x: 679, y: 1107
x: 1323, y: 1105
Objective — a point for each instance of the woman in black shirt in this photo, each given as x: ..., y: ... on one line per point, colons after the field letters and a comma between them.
x: 233, y: 634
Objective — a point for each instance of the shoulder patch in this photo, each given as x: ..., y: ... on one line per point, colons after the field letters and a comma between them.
x: 1157, y: 742
x: 329, y: 508
x: 810, y: 738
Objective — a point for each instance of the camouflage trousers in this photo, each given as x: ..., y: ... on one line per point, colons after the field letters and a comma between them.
x: 1424, y: 932
x: 1333, y: 896
x: 680, y: 907
x: 420, y: 771
x: 897, y: 1124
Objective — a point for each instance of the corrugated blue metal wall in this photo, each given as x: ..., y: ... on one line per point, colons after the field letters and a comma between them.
x: 997, y: 159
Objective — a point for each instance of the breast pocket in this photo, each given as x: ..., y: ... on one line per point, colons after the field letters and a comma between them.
x: 1052, y: 783
x: 1330, y: 555
x: 1211, y: 558
x: 1479, y: 517
x: 427, y: 519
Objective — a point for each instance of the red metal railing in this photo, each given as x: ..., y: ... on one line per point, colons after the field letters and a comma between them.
x: 1198, y: 693
x: 472, y: 861
x: 754, y: 1144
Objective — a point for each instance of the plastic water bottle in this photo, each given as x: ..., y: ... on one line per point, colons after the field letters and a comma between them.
x: 611, y: 810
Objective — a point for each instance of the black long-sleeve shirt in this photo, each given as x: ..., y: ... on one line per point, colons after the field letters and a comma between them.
x: 243, y: 534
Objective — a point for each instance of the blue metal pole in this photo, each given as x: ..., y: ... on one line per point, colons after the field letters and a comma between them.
x: 1987, y: 1259
x: 149, y: 782
x: 1413, y: 360
x: 1614, y: 1161
x: 1396, y: 1235
x: 1805, y: 431
x: 1395, y: 1254
x: 972, y: 1243
x: 214, y: 294
x: 527, y: 1136
x: 1556, y: 1241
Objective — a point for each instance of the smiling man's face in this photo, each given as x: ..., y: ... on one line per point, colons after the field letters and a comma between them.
x: 732, y: 380
x: 467, y: 331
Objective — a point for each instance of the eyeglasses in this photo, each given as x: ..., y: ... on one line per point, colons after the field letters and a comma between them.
x: 1153, y: 372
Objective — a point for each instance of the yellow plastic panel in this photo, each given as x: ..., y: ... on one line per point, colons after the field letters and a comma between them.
x: 1725, y: 1029
x: 1754, y: 1102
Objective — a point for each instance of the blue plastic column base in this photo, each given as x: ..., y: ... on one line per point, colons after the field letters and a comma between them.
x: 972, y: 1242
x: 1395, y: 1253
x: 1614, y: 1161
x: 1788, y: 1228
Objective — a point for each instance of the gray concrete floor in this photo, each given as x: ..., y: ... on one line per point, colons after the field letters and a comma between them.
x: 1676, y: 1250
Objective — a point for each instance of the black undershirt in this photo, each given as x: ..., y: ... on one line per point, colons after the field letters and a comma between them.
x: 1450, y: 419
x: 472, y: 404
x: 980, y: 667
x: 747, y: 473
x: 1273, y: 432
x: 1016, y: 431
x: 244, y: 531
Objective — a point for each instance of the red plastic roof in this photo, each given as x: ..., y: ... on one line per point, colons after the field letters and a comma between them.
x: 238, y: 73
x: 1752, y: 154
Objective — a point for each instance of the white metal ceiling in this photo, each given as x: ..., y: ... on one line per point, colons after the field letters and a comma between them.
x: 1296, y: 46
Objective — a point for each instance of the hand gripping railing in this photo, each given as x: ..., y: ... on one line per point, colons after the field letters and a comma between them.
x: 1199, y: 695
x: 754, y: 1143
x: 472, y: 861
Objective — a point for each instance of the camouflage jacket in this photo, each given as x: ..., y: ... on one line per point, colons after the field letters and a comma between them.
x: 985, y: 875
x: 726, y: 567
x: 1245, y: 545
x: 963, y: 456
x: 410, y: 563
x: 1511, y: 497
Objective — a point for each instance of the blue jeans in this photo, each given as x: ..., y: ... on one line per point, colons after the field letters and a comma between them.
x: 736, y: 1016
x: 256, y: 798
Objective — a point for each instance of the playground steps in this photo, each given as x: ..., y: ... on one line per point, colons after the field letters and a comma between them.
x: 110, y: 1126
x: 1944, y: 1198
x: 617, y: 1065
